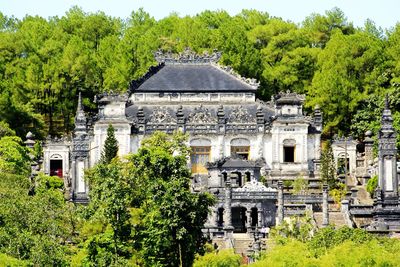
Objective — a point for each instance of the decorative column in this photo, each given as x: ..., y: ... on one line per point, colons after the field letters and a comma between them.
x: 280, y: 203
x: 228, y: 228
x: 228, y: 204
x: 369, y: 156
x: 221, y: 119
x: 386, y: 213
x: 248, y: 221
x: 325, y: 207
x: 387, y: 152
x: 80, y: 155
x: 260, y: 120
x: 180, y: 119
x: 368, y: 144
x: 260, y: 218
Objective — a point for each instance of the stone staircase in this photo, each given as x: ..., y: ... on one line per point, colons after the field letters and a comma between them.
x: 336, y: 218
x: 363, y: 196
x: 240, y: 242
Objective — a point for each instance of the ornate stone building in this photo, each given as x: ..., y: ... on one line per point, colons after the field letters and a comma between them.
x: 241, y: 146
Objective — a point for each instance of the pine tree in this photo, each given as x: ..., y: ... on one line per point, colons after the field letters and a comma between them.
x: 110, y: 149
x: 328, y: 170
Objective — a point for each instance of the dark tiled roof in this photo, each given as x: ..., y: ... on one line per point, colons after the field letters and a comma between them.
x: 238, y: 163
x: 191, y: 78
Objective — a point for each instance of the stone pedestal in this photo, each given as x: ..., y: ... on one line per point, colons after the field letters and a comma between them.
x: 325, y: 207
x: 280, y: 214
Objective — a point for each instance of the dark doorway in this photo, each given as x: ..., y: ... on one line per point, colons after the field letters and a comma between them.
x: 239, y: 219
x: 288, y: 154
x: 254, y: 217
x: 220, y: 217
x: 56, y: 167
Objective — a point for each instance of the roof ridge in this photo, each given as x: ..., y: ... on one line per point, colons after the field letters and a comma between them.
x: 252, y: 82
x: 134, y: 84
x: 187, y: 56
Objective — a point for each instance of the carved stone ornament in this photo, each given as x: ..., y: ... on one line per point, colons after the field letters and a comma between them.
x: 254, y: 186
x: 201, y: 115
x: 161, y: 115
x: 241, y: 115
x: 187, y: 56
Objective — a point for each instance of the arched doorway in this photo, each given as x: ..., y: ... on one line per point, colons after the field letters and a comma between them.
x: 239, y: 219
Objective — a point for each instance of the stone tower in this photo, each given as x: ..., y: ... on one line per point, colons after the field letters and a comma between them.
x: 388, y: 181
x: 80, y: 155
x: 386, y: 213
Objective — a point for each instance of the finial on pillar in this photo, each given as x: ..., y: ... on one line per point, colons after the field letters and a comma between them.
x: 79, y: 108
x: 387, y: 101
x: 80, y: 117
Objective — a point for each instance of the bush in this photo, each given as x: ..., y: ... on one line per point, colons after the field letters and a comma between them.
x: 291, y: 253
x: 372, y: 185
x: 224, y: 258
x: 6, y: 260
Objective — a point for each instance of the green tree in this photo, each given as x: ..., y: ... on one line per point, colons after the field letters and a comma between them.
x: 110, y: 198
x: 110, y: 149
x: 348, y: 70
x: 328, y: 169
x: 172, y: 218
x: 14, y: 157
x: 142, y: 209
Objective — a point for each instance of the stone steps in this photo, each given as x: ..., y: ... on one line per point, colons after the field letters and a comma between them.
x: 363, y: 196
x: 336, y: 218
x: 240, y: 243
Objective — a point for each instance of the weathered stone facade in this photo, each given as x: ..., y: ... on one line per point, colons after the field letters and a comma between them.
x: 241, y: 146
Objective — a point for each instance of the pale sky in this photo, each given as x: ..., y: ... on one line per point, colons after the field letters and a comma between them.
x: 385, y: 13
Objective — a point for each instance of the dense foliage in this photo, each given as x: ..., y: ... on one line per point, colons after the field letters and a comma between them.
x: 326, y: 247
x: 35, y: 220
x: 343, y: 69
x: 142, y: 210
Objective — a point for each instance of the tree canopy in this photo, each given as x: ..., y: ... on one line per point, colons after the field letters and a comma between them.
x: 344, y: 69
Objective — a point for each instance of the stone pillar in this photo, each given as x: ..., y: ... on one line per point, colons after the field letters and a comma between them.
x: 228, y: 228
x: 228, y: 204
x: 368, y: 144
x: 354, y: 192
x: 248, y: 221
x: 280, y: 203
x: 325, y: 207
x: 260, y: 218
x: 345, y: 206
x: 387, y: 151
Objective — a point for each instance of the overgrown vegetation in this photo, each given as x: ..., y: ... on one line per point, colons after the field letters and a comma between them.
x: 343, y: 69
x: 372, y: 185
x: 142, y: 212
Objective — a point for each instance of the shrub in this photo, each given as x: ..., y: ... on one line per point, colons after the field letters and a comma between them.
x: 372, y: 185
x: 224, y: 258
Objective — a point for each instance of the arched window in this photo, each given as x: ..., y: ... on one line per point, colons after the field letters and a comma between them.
x: 289, y: 148
x: 240, y: 147
x: 200, y: 155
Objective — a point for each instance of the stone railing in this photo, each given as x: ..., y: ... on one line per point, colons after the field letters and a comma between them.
x: 361, y: 210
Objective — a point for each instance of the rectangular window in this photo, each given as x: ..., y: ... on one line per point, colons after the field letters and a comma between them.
x: 241, y: 151
x: 199, y: 156
x: 288, y: 154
